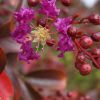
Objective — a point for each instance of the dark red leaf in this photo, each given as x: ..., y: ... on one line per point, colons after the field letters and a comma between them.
x: 3, y: 60
x: 26, y: 91
x: 33, y: 93
x: 47, y: 73
x: 52, y: 79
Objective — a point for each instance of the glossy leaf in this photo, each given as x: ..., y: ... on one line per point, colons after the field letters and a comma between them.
x: 6, y: 18
x: 27, y: 91
x: 33, y: 93
x: 6, y: 87
x: 3, y: 60
x: 48, y: 78
x: 9, y: 45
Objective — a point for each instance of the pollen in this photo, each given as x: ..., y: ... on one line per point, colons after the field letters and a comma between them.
x: 41, y: 34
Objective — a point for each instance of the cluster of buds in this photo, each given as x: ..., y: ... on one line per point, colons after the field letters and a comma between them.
x: 84, y: 43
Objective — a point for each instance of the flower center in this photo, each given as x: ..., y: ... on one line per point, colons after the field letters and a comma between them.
x: 41, y: 34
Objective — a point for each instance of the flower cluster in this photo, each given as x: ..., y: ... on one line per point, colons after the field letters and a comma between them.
x: 31, y: 38
x: 65, y: 42
x: 22, y: 32
x: 35, y: 30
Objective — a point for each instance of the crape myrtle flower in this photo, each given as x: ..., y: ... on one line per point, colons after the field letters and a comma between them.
x: 65, y: 42
x: 24, y: 35
x: 62, y: 24
x: 28, y: 53
x: 48, y: 7
x: 20, y: 32
x: 24, y: 15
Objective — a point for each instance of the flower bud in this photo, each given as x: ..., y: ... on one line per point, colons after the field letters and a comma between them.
x: 95, y: 19
x: 96, y: 36
x: 41, y: 22
x: 86, y: 42
x: 85, y: 69
x: 66, y: 2
x: 33, y: 3
x: 50, y: 42
x: 72, y: 31
x: 80, y: 57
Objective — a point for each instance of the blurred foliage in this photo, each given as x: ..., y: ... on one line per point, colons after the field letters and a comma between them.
x: 77, y: 81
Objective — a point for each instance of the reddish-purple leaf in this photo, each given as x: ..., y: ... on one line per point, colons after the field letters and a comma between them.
x: 48, y: 78
x: 33, y: 93
x: 3, y: 60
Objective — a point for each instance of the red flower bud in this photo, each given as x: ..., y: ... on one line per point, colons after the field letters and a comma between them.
x: 72, y: 31
x: 33, y: 3
x: 86, y: 42
x: 41, y: 22
x: 95, y: 19
x: 96, y: 36
x: 50, y: 42
x: 85, y: 69
x: 66, y: 2
x: 80, y: 57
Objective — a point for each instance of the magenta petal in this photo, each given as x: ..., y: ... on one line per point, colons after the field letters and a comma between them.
x: 24, y: 15
x: 48, y: 7
x: 28, y: 53
x: 65, y: 43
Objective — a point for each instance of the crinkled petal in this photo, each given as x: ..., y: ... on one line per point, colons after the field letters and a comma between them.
x: 27, y: 52
x: 24, y: 15
x: 21, y: 31
x: 62, y: 24
x: 65, y: 43
x: 48, y: 7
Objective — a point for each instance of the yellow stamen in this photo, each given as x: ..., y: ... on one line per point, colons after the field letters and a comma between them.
x: 41, y: 34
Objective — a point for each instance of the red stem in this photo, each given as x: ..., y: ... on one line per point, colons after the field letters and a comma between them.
x: 87, y: 53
